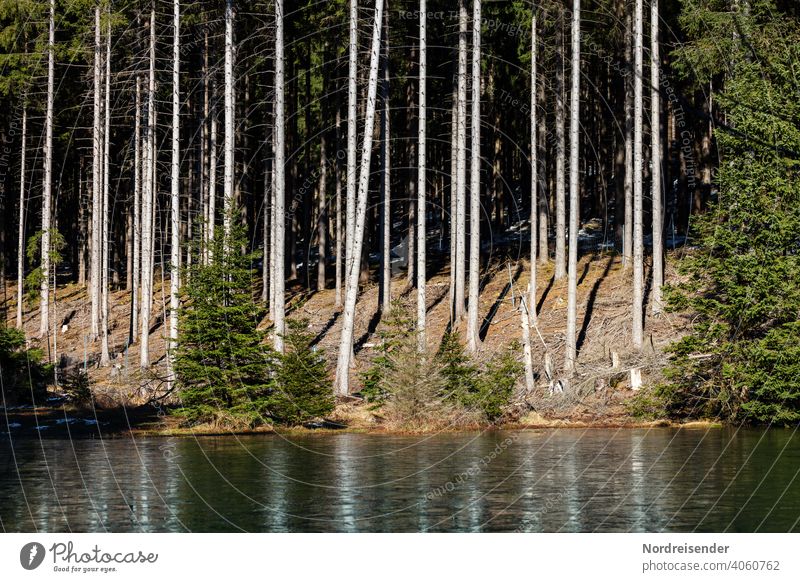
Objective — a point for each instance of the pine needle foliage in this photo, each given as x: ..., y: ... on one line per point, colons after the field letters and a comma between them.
x: 740, y: 360
x: 224, y: 369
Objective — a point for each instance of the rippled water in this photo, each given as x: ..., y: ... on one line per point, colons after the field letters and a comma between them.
x: 550, y: 480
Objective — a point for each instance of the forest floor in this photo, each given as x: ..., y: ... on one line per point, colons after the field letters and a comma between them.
x: 596, y: 396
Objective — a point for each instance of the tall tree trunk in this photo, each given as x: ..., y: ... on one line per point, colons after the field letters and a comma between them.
x: 534, y: 168
x: 211, y: 222
x: 386, y: 177
x: 23, y: 170
x: 461, y: 161
x: 230, y: 122
x: 627, y: 232
x: 574, y: 194
x: 175, y: 216
x: 105, y: 356
x: 48, y: 178
x: 638, y: 169
x: 352, y: 135
x: 544, y: 217
x: 97, y: 186
x: 475, y: 184
x: 279, y: 224
x: 339, y: 234
x: 561, y: 202
x: 137, y: 214
x: 422, y: 184
x: 655, y: 135
x: 322, y: 214
x: 148, y: 198
x: 351, y: 290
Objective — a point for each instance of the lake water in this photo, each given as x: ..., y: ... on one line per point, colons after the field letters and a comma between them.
x: 550, y: 480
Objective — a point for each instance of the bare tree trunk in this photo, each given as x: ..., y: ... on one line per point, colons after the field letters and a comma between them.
x: 475, y: 184
x: 211, y: 223
x: 23, y: 170
x: 230, y: 122
x: 322, y: 214
x: 339, y: 273
x: 279, y: 224
x: 48, y: 178
x: 148, y: 196
x: 137, y: 214
x: 534, y: 177
x: 655, y: 134
x: 386, y: 178
x: 561, y: 202
x: 638, y: 168
x: 266, y: 270
x: 352, y: 136
x: 422, y: 184
x: 97, y: 185
x: 175, y: 216
x: 351, y: 290
x: 627, y: 232
x: 574, y: 194
x: 461, y: 162
x: 544, y: 218
x: 105, y: 357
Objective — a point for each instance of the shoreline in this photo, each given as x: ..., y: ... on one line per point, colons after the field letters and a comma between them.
x: 146, y: 422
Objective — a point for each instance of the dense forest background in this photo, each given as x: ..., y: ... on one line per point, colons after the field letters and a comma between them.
x: 661, y: 134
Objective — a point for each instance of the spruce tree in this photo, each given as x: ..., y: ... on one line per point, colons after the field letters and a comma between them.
x: 224, y: 369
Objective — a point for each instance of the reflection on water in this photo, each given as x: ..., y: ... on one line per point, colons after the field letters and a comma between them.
x: 552, y: 480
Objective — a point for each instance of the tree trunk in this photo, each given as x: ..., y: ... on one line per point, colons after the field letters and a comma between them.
x: 137, y: 214
x: 148, y: 196
x: 461, y: 161
x: 351, y: 290
x: 627, y: 233
x: 638, y: 168
x: 48, y: 178
x: 475, y: 184
x: 386, y: 178
x: 561, y: 216
x: 97, y: 173
x: 655, y: 134
x: 422, y: 185
x: 230, y: 122
x: 279, y: 224
x: 175, y: 217
x: 534, y: 170
x: 574, y: 194
x: 352, y: 136
x: 339, y: 234
x: 105, y: 357
x: 21, y: 226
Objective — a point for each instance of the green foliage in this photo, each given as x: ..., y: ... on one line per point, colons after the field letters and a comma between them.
x: 77, y: 386
x: 34, y: 279
x: 24, y: 376
x: 416, y: 390
x: 743, y: 281
x: 225, y: 372
x: 396, y: 332
x: 420, y: 390
x: 488, y: 391
x: 303, y: 385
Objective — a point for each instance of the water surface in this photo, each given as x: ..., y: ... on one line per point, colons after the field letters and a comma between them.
x: 551, y: 480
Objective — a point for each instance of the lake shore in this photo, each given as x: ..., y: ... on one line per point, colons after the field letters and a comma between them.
x: 73, y: 422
